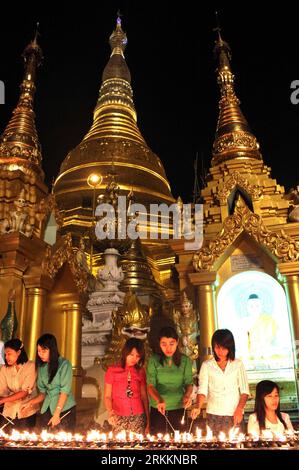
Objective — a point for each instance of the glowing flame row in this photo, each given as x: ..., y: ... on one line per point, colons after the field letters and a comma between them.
x: 126, y: 436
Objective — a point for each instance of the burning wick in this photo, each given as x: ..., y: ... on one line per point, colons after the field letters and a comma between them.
x: 169, y: 423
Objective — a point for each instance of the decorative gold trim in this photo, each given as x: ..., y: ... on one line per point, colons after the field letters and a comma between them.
x: 65, y: 254
x: 282, y: 246
x: 108, y: 163
x: 237, y: 179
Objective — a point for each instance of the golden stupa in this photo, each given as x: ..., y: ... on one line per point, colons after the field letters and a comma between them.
x: 114, y: 138
x: 250, y: 245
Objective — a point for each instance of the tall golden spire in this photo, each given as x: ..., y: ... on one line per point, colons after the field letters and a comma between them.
x: 113, y: 136
x: 19, y: 145
x: 115, y: 115
x: 234, y: 138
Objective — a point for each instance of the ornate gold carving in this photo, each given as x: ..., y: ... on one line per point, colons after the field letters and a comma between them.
x: 187, y: 328
x: 280, y: 245
x: 237, y: 179
x: 18, y: 220
x: 65, y: 253
x: 19, y: 144
x: 236, y: 139
x: 45, y: 207
x: 132, y: 320
x: 233, y: 137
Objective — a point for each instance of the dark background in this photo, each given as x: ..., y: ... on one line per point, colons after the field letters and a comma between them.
x: 170, y: 56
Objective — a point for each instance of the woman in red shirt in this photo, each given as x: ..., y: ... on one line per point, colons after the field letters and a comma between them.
x: 125, y: 390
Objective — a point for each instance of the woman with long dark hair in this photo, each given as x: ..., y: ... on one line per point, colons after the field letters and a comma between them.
x: 267, y: 414
x: 17, y: 386
x: 223, y: 384
x: 125, y: 392
x: 54, y: 383
x: 170, y: 384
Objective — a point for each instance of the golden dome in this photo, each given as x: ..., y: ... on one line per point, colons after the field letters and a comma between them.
x: 113, y: 137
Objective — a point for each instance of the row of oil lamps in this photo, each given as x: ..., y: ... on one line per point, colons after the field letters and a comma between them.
x: 96, y: 439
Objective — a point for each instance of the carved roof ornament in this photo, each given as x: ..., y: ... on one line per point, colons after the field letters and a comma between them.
x: 237, y: 179
x: 65, y: 254
x: 46, y: 206
x: 282, y: 246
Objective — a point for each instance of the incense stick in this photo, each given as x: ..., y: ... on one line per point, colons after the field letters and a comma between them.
x: 191, y: 426
x: 67, y: 413
x: 169, y: 423
x: 7, y: 419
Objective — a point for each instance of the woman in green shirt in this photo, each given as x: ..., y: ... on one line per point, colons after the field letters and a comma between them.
x: 54, y: 382
x: 169, y: 380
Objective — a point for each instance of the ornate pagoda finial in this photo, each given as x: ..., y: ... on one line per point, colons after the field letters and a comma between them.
x: 19, y: 144
x: 115, y: 114
x: 118, y: 39
x: 234, y: 138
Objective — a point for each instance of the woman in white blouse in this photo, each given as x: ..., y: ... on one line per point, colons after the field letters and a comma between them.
x: 223, y: 384
x: 17, y: 386
x: 267, y: 414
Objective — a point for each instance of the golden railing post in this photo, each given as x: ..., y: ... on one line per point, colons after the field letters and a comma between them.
x: 73, y: 313
x: 34, y: 318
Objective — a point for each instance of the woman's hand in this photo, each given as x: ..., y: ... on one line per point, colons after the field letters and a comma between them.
x: 26, y: 406
x: 55, y: 420
x: 195, y: 413
x: 112, y: 418
x: 238, y: 415
x: 187, y: 401
x: 161, y: 407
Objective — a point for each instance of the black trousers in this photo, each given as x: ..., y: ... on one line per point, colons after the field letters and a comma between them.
x: 159, y: 424
x: 22, y: 424
x: 67, y: 424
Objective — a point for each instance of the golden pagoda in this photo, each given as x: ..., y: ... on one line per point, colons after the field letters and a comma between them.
x: 45, y: 273
x: 114, y: 137
x: 114, y: 145
x: 246, y: 274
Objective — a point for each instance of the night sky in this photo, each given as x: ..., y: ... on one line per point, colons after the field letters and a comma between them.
x: 170, y: 56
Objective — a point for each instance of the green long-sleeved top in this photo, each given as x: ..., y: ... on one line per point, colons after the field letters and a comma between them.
x: 170, y: 381
x: 61, y: 383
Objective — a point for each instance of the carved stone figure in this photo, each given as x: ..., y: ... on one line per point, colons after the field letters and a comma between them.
x: 9, y: 323
x: 81, y: 256
x: 110, y: 275
x: 187, y: 328
x: 294, y: 212
x: 18, y: 220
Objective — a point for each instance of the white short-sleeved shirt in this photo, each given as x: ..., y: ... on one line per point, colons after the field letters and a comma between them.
x: 222, y: 388
x: 277, y: 428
